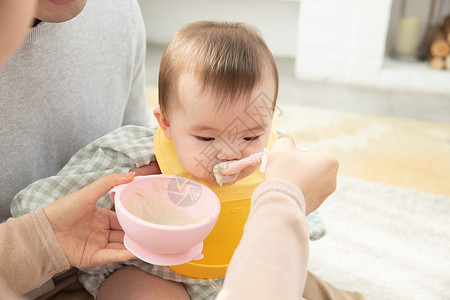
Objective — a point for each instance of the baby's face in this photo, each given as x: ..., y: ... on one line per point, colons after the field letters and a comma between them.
x: 205, y: 135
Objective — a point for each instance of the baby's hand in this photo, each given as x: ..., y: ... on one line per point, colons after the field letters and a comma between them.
x: 150, y: 169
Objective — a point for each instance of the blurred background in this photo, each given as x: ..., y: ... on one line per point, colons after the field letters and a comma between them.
x: 333, y: 47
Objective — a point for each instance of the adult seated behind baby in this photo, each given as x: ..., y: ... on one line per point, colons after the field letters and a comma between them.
x: 218, y: 86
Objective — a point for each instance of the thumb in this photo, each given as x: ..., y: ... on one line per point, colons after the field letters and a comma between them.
x: 284, y: 142
x: 101, y: 186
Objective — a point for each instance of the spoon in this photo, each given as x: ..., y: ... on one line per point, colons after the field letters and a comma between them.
x: 229, y: 170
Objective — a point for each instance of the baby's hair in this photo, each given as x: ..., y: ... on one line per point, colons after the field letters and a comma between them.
x: 230, y: 58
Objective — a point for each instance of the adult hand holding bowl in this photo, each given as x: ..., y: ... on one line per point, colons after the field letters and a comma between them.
x: 165, y: 218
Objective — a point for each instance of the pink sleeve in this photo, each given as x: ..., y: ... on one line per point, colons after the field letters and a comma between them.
x: 30, y: 252
x: 271, y: 259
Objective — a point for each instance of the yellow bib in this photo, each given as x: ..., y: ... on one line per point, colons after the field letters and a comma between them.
x: 220, y: 244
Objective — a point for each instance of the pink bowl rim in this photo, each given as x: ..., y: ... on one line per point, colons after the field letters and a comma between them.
x: 129, y: 215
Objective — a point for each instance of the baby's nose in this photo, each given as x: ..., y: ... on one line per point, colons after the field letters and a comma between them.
x: 228, y: 154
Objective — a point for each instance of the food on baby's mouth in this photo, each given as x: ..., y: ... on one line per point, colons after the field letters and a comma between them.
x: 221, y: 178
x: 228, y: 171
x: 158, y: 209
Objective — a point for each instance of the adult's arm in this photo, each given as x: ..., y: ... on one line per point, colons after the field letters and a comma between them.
x: 71, y: 231
x: 30, y: 252
x: 271, y: 260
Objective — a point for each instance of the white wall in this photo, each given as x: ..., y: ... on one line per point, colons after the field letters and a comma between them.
x: 348, y: 41
x: 276, y: 19
x: 337, y: 39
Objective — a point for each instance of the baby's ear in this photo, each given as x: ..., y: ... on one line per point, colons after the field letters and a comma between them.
x: 163, y: 122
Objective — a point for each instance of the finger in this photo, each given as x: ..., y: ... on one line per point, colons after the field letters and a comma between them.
x: 285, y: 141
x: 113, y: 221
x: 106, y: 256
x: 101, y: 186
x: 116, y: 236
x: 117, y: 246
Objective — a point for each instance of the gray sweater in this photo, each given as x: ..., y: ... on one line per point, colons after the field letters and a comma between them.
x: 69, y: 84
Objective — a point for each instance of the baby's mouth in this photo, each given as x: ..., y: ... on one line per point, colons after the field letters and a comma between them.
x: 221, y: 178
x: 228, y: 171
x: 221, y: 175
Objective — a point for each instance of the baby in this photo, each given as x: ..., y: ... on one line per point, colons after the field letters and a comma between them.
x: 218, y: 86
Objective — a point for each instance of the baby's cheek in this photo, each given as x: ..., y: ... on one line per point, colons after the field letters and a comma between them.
x: 197, y: 166
x: 254, y: 148
x: 186, y: 160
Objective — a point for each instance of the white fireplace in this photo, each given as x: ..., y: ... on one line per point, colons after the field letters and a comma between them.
x: 352, y: 42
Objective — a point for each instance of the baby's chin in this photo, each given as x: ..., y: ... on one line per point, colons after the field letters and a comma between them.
x: 213, y: 180
x: 225, y: 183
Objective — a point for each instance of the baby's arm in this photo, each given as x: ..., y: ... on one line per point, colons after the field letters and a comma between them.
x: 151, y: 168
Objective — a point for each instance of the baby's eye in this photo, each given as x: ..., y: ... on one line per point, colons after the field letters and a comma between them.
x: 251, y: 138
x: 204, y: 139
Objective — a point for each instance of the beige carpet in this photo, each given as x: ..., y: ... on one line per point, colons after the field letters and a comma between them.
x: 389, y: 220
x: 384, y: 241
x: 404, y: 153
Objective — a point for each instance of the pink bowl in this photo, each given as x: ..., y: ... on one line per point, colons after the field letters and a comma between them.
x: 185, y: 195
